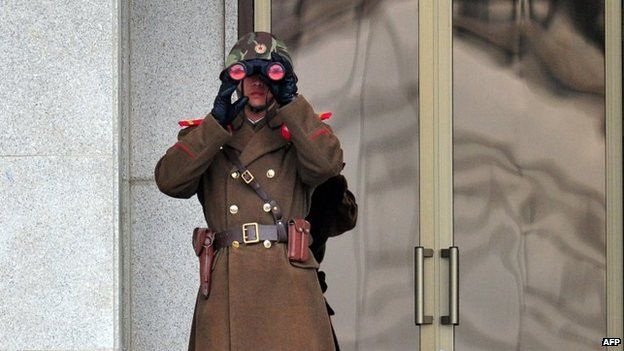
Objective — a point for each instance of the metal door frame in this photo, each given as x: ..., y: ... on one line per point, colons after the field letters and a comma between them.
x: 436, y: 161
x: 613, y: 86
x: 435, y: 66
x: 435, y: 69
x: 436, y: 172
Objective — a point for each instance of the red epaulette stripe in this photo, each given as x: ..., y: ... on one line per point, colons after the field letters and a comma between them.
x: 190, y: 122
x: 184, y: 148
x: 321, y: 131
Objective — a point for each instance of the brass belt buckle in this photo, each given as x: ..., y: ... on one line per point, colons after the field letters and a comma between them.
x: 257, y: 235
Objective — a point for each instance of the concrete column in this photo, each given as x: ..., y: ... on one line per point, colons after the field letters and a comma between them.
x: 90, y: 94
x: 172, y: 55
x: 59, y: 259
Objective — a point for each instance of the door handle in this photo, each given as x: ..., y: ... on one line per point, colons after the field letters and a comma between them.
x: 452, y: 253
x: 419, y: 285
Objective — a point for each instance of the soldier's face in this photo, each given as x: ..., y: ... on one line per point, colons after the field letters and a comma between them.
x: 257, y: 92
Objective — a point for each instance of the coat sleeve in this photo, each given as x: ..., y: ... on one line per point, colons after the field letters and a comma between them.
x: 319, y: 156
x: 333, y: 209
x: 179, y: 171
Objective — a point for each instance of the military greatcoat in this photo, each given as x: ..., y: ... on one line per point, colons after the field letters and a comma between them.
x: 259, y: 300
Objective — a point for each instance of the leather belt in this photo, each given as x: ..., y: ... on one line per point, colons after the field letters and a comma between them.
x: 250, y: 233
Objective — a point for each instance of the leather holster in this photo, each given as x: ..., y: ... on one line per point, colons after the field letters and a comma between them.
x: 203, y: 240
x: 298, y: 240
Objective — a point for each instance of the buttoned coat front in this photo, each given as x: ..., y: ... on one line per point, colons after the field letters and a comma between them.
x: 259, y: 300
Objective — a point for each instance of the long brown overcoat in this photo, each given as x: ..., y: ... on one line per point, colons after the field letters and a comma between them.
x: 259, y: 300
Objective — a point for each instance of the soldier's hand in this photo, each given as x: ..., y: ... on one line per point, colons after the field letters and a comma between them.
x: 285, y: 90
x: 223, y: 110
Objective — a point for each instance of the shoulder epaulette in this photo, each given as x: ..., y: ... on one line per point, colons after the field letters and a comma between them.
x: 325, y: 115
x: 190, y: 122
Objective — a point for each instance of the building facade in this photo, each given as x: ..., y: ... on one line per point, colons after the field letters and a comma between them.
x: 489, y: 129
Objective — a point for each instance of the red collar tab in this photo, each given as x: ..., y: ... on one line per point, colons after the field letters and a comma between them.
x: 190, y: 122
x: 325, y: 115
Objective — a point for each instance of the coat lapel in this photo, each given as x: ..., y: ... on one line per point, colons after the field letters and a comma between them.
x: 264, y: 141
x: 253, y: 144
x: 267, y: 139
x: 241, y: 134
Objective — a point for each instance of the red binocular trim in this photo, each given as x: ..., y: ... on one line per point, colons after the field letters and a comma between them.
x: 274, y: 71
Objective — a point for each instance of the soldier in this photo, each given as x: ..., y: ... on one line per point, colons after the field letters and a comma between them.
x: 251, y: 181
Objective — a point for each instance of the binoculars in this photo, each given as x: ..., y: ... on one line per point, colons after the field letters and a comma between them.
x: 273, y: 70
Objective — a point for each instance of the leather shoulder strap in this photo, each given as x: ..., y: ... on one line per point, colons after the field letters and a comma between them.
x: 249, y: 179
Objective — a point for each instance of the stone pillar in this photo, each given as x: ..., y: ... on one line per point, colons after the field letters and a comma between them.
x: 59, y: 259
x: 92, y: 255
x: 172, y: 56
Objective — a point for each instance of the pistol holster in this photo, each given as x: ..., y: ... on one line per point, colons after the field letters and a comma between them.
x: 203, y: 240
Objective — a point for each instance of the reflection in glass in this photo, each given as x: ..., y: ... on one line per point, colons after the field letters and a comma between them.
x: 359, y: 60
x: 529, y: 173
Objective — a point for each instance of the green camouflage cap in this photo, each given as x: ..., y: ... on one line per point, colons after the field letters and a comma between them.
x: 256, y: 45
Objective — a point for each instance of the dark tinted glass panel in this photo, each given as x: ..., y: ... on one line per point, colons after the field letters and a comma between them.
x: 358, y: 59
x: 529, y: 173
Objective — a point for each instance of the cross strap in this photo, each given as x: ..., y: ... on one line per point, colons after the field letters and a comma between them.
x: 249, y: 179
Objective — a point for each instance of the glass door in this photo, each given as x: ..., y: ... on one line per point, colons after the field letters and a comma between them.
x: 359, y: 60
x: 486, y: 129
x: 530, y: 171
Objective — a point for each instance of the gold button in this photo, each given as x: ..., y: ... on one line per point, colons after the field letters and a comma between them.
x: 234, y: 174
x: 267, y: 243
x: 270, y: 173
x: 233, y: 209
x: 266, y: 207
x: 235, y: 244
x: 275, y: 209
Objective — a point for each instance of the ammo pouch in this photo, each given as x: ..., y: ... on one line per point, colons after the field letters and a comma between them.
x: 203, y: 240
x: 298, y: 240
